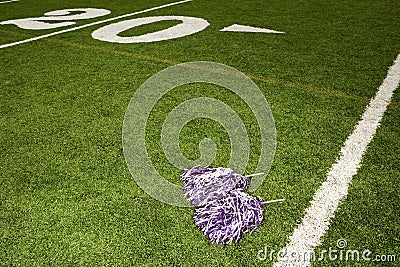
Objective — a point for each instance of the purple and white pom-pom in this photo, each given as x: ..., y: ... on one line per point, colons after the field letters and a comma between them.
x: 204, y: 184
x: 224, y: 212
x: 227, y: 219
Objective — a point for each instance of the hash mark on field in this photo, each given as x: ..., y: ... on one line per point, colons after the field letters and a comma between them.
x: 307, y: 236
x: 92, y: 24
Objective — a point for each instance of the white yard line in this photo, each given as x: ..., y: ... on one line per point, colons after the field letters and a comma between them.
x: 9, y: 1
x: 307, y: 235
x: 91, y: 24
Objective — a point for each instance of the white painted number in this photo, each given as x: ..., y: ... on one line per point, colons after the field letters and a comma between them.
x: 188, y: 26
x: 66, y: 16
x: 111, y: 33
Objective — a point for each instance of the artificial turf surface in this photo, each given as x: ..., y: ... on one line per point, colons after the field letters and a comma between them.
x: 67, y: 197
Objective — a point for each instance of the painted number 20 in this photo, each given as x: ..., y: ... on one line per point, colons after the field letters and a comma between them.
x: 109, y: 33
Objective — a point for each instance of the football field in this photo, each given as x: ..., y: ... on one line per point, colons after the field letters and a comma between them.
x: 84, y: 137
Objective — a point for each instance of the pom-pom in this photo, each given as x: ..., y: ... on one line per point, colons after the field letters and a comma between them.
x: 227, y: 219
x: 204, y: 184
x: 224, y: 212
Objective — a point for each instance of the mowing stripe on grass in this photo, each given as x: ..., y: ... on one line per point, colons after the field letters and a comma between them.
x: 307, y: 235
x: 268, y: 80
x: 92, y: 24
x: 308, y: 88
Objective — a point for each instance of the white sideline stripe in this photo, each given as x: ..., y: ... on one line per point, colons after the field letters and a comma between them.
x: 91, y: 24
x: 4, y: 2
x: 307, y: 236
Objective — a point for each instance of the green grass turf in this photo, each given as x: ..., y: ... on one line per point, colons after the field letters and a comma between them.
x: 67, y: 197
